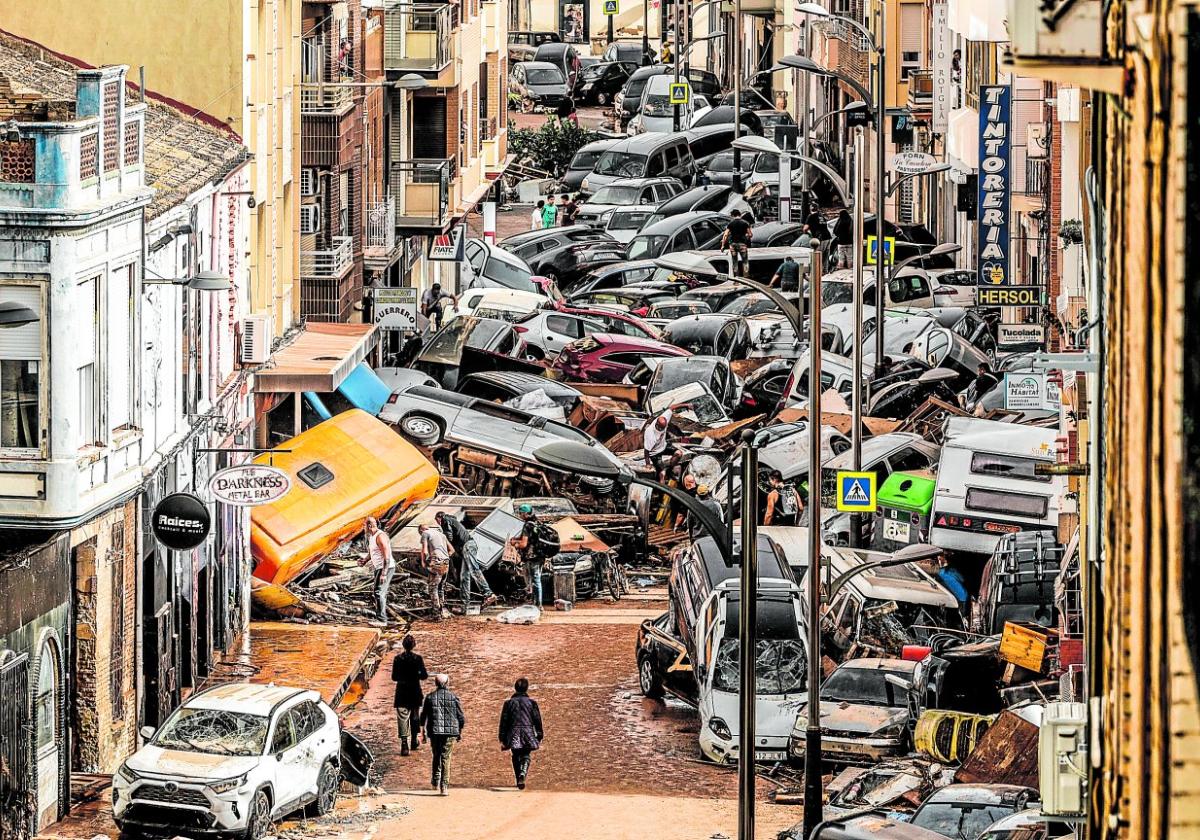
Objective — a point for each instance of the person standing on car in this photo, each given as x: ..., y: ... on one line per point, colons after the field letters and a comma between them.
x: 443, y: 721
x: 431, y: 304
x: 536, y: 217
x: 379, y: 556
x: 736, y: 240
x: 435, y: 557
x: 783, y: 502
x: 787, y: 276
x: 408, y: 670
x: 468, y: 553
x: 521, y: 729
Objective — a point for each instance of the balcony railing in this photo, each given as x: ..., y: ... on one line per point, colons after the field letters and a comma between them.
x: 423, y: 189
x: 920, y: 90
x: 327, y: 98
x: 417, y: 36
x: 380, y: 234
x: 323, y: 65
x: 488, y: 128
x: 331, y: 263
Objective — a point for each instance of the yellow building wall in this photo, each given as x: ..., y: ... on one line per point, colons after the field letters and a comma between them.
x: 234, y: 61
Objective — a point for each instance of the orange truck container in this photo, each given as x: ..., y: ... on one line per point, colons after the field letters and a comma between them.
x: 343, y: 470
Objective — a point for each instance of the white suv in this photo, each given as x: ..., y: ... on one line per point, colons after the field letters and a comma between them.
x: 232, y: 759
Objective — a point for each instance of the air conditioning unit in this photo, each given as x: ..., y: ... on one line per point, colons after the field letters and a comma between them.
x: 256, y: 339
x: 309, y: 182
x: 1063, y: 760
x: 1061, y: 30
x: 310, y: 218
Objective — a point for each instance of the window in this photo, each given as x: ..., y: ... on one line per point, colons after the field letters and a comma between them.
x: 45, y: 706
x: 912, y: 30
x: 307, y: 719
x: 1008, y: 466
x: 285, y: 734
x: 315, y: 475
x: 20, y: 369
x: 121, y: 341
x: 88, y: 435
x: 116, y: 684
x: 88, y: 420
x: 562, y: 325
x: 1013, y: 504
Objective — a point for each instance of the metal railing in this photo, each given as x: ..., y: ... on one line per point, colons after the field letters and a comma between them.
x: 330, y: 263
x: 488, y: 127
x: 422, y: 189
x: 321, y: 71
x: 417, y: 36
x: 380, y: 234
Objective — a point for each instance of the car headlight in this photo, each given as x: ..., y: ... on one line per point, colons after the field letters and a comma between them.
x: 227, y: 785
x: 720, y: 728
x: 126, y: 775
x: 893, y: 731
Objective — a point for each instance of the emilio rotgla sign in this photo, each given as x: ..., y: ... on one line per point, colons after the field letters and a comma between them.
x: 995, y: 184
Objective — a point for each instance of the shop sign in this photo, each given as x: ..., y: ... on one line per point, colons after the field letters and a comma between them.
x: 1020, y: 336
x: 942, y: 57
x: 181, y: 521
x: 995, y: 184
x: 448, y: 246
x: 1008, y: 295
x: 1031, y: 391
x: 249, y: 485
x: 396, y: 308
x: 912, y: 163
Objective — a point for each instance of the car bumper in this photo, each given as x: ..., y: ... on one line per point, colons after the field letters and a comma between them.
x: 219, y: 816
x: 768, y: 750
x: 850, y: 750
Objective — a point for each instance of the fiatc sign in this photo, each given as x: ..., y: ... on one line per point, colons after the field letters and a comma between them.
x: 249, y: 485
x: 995, y: 184
x: 448, y: 246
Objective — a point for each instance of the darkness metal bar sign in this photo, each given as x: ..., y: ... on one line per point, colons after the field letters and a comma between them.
x: 995, y: 184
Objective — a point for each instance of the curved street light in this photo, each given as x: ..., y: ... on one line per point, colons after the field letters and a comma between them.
x: 13, y: 314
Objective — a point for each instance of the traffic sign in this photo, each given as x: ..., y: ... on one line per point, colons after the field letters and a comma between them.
x: 856, y: 492
x: 681, y: 92
x: 889, y: 249
x: 611, y: 7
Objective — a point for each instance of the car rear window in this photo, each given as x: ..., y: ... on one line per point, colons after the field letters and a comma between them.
x: 1002, y: 501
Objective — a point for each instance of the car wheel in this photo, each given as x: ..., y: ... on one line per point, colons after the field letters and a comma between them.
x: 421, y: 430
x: 327, y: 789
x: 649, y: 679
x: 603, y: 98
x: 258, y: 824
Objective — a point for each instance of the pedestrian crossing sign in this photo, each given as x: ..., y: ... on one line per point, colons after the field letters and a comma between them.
x: 610, y: 7
x: 889, y: 249
x: 680, y: 93
x: 856, y: 492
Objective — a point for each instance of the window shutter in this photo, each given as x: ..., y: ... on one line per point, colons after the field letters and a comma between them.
x: 912, y: 24
x: 120, y: 345
x: 22, y: 343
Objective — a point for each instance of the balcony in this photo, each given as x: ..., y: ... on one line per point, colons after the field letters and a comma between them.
x: 423, y: 191
x: 418, y: 36
x: 329, y: 264
x: 320, y: 74
x: 488, y: 128
x: 379, y: 236
x: 920, y: 90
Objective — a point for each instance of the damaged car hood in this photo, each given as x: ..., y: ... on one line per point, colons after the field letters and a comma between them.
x: 156, y: 761
x: 860, y: 718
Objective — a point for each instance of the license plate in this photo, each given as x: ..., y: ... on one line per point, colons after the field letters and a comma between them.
x: 770, y: 755
x: 896, y: 531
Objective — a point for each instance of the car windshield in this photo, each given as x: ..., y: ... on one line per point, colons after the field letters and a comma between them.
x: 766, y: 163
x: 657, y: 105
x: 509, y: 276
x: 862, y: 685
x: 722, y: 163
x: 616, y: 195
x: 646, y: 247
x: 623, y: 164
x: 835, y: 293
x: 779, y: 666
x: 214, y: 731
x: 545, y: 76
x: 585, y: 160
x: 959, y: 819
x: 627, y: 221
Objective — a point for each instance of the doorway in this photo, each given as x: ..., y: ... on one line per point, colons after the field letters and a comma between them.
x: 47, y: 732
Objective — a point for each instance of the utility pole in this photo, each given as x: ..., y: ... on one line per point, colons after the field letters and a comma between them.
x: 610, y: 27
x: 675, y: 58
x: 747, y: 683
x: 737, y: 94
x: 882, y: 257
x: 857, y: 159
x: 646, y: 29
x: 805, y: 207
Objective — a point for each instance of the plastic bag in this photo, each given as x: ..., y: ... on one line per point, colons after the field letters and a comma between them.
x: 528, y: 614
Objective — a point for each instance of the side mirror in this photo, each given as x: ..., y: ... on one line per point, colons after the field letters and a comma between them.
x: 147, y: 732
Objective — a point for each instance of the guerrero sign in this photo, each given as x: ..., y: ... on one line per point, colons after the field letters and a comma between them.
x: 180, y: 521
x: 396, y: 308
x: 249, y: 485
x: 995, y: 184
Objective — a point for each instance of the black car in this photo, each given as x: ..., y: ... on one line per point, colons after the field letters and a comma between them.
x: 706, y: 142
x: 630, y: 52
x: 763, y: 389
x: 710, y: 335
x: 533, y: 39
x: 600, y: 83
x: 720, y: 167
x: 724, y: 114
x: 563, y: 56
x: 539, y: 83
x: 771, y: 234
x: 719, y: 295
x: 528, y: 245
x: 568, y: 264
x: 584, y: 162
x: 682, y: 232
x: 713, y: 198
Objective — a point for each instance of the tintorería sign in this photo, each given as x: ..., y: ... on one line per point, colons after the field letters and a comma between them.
x: 995, y: 184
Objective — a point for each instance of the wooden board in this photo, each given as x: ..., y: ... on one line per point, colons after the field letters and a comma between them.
x: 1006, y: 754
x: 1027, y: 645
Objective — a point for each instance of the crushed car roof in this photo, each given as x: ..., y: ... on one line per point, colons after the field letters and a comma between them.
x: 246, y: 698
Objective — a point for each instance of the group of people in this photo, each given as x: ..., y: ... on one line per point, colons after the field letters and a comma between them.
x: 547, y: 214
x: 451, y: 539
x: 439, y: 715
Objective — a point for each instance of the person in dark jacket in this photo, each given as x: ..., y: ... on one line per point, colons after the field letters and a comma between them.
x: 408, y: 670
x: 521, y: 729
x: 443, y: 721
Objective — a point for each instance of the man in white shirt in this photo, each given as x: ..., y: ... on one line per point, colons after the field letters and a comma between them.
x: 656, y: 440
x: 379, y: 556
x: 435, y: 557
x: 535, y: 218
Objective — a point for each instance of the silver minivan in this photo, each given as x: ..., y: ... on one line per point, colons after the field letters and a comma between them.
x: 645, y: 156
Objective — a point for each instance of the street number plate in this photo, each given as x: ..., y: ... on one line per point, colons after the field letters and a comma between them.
x: 896, y: 531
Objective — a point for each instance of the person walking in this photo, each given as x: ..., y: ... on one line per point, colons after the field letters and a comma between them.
x: 408, y: 670
x: 468, y: 553
x: 435, y: 558
x: 379, y: 556
x: 783, y: 502
x: 843, y: 235
x: 536, y: 218
x: 443, y: 721
x: 549, y: 213
x: 736, y: 240
x: 521, y: 729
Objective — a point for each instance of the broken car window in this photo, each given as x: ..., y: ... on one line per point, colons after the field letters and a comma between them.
x: 780, y: 666
x: 214, y: 731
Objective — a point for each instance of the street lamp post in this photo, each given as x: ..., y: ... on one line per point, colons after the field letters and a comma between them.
x: 857, y: 385
x: 813, y: 797
x: 747, y: 687
x: 646, y: 29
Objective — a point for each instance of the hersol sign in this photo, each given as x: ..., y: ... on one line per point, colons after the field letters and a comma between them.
x: 1008, y: 295
x: 995, y: 183
x: 249, y: 485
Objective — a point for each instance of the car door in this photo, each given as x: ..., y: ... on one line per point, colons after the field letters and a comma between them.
x: 288, y: 770
x: 681, y: 240
x: 313, y: 745
x: 559, y: 329
x: 476, y: 256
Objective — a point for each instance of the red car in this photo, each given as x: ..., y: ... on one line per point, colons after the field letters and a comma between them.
x: 603, y: 357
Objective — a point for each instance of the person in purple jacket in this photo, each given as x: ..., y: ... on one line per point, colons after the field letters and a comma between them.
x: 521, y: 729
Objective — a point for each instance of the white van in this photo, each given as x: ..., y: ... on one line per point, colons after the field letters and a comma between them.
x: 988, y: 485
x: 909, y: 287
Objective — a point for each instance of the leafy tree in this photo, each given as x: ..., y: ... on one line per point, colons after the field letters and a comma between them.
x: 551, y: 147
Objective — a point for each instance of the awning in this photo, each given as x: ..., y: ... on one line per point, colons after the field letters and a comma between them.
x: 318, y: 360
x: 978, y: 20
x: 962, y: 139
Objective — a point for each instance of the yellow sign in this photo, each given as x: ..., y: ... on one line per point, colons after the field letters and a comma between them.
x: 611, y: 7
x: 856, y: 492
x: 889, y: 249
x: 680, y: 93
x: 1008, y: 295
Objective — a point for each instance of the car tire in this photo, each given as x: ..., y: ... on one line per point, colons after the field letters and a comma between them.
x: 649, y: 679
x: 327, y: 789
x: 258, y: 823
x: 421, y: 430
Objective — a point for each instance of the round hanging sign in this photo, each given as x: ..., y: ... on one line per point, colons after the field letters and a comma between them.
x: 249, y: 485
x: 181, y: 521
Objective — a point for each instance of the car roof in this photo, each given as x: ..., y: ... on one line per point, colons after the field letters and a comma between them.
x: 676, y: 221
x: 980, y: 794
x: 880, y: 446
x: 559, y: 46
x: 647, y: 142
x: 635, y: 182
x: 688, y: 199
x: 598, y: 145
x: 247, y: 698
x: 877, y: 663
x: 520, y: 380
x: 543, y: 65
